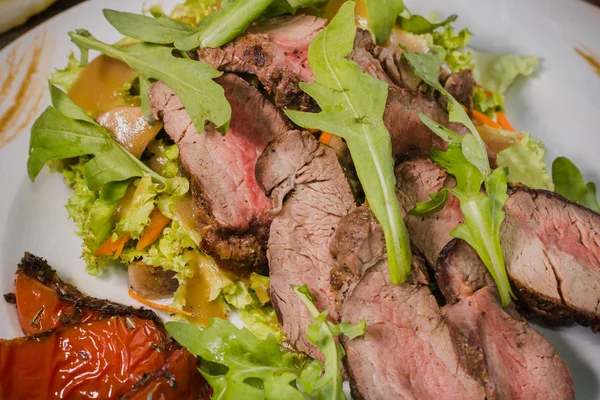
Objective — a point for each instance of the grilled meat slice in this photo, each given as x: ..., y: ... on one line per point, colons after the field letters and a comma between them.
x: 276, y: 52
x: 310, y: 194
x: 496, y: 345
x: 407, y: 351
x: 231, y: 209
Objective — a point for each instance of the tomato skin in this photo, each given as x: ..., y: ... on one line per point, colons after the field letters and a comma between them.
x: 97, y: 360
x: 40, y: 308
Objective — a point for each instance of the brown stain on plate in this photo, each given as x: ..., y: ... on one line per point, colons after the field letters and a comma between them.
x: 592, y: 59
x: 28, y: 88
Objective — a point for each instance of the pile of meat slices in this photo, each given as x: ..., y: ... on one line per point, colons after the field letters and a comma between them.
x: 268, y: 192
x: 82, y: 347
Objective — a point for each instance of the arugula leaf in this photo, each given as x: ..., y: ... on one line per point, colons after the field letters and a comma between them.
x: 496, y: 72
x: 436, y: 204
x: 352, y: 104
x: 224, y: 25
x: 65, y: 78
x: 381, y: 15
x: 65, y: 131
x: 483, y: 214
x: 327, y: 383
x: 191, y: 80
x: 418, y: 25
x: 162, y: 30
x: 279, y: 7
x: 427, y: 67
x: 568, y: 181
x: 247, y: 358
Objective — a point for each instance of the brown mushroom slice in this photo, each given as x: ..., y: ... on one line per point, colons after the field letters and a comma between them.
x: 128, y: 126
x: 150, y: 282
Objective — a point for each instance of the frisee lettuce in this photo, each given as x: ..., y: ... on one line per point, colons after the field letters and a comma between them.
x: 66, y: 77
x: 456, y: 55
x: 191, y: 12
x: 568, y: 181
x: 496, y: 72
x: 352, y: 104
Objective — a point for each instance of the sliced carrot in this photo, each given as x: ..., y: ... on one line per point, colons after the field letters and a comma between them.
x: 504, y: 122
x: 158, y: 222
x: 325, y: 137
x: 157, y: 306
x: 484, y: 119
x: 109, y: 247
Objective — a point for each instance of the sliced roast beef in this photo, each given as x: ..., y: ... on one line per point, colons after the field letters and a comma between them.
x: 363, y: 55
x: 551, y: 246
x: 552, y: 253
x: 461, y: 85
x: 231, y: 209
x: 407, y: 351
x: 496, y: 345
x: 429, y: 234
x: 310, y: 194
x: 276, y: 52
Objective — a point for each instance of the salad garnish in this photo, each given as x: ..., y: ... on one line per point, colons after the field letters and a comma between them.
x: 352, y: 104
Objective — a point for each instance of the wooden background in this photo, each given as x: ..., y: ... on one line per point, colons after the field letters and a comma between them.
x: 62, y: 5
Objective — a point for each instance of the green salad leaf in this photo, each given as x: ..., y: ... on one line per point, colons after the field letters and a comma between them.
x: 224, y: 25
x: 191, y: 80
x: 255, y: 369
x: 525, y: 161
x: 496, y: 72
x: 352, y: 104
x: 137, y: 215
x: 483, y: 213
x: 261, y: 321
x: 381, y: 15
x: 191, y: 12
x: 65, y: 131
x: 418, y: 25
x: 66, y: 77
x: 162, y: 30
x: 456, y: 56
x: 427, y: 67
x: 568, y: 181
x: 325, y: 381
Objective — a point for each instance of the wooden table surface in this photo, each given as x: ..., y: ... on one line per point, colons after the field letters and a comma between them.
x: 62, y: 5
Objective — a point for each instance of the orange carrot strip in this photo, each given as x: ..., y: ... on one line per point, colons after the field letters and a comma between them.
x: 109, y: 247
x: 484, y: 119
x: 504, y: 122
x: 157, y: 306
x: 158, y: 222
x: 325, y: 137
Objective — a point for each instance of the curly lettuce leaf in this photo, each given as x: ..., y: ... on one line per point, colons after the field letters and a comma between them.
x: 568, y: 181
x: 255, y: 368
x: 488, y: 102
x: 352, y: 104
x: 456, y: 56
x: 496, y: 72
x: 66, y: 77
x: 191, y: 12
x: 525, y: 161
x: 137, y: 215
x: 261, y: 321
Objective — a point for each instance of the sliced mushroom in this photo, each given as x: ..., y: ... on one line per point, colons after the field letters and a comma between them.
x: 151, y: 282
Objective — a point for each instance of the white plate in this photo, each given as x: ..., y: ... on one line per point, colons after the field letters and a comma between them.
x: 560, y: 106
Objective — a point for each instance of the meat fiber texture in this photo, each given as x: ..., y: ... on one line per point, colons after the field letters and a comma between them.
x: 222, y: 168
x: 407, y: 351
x: 551, y: 245
x: 310, y: 195
x: 496, y: 345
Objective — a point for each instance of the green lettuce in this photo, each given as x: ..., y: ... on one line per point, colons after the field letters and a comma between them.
x: 66, y: 77
x: 569, y: 182
x: 525, y: 161
x: 456, y: 56
x: 496, y: 72
x: 138, y: 215
x: 192, y: 12
x: 261, y: 321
